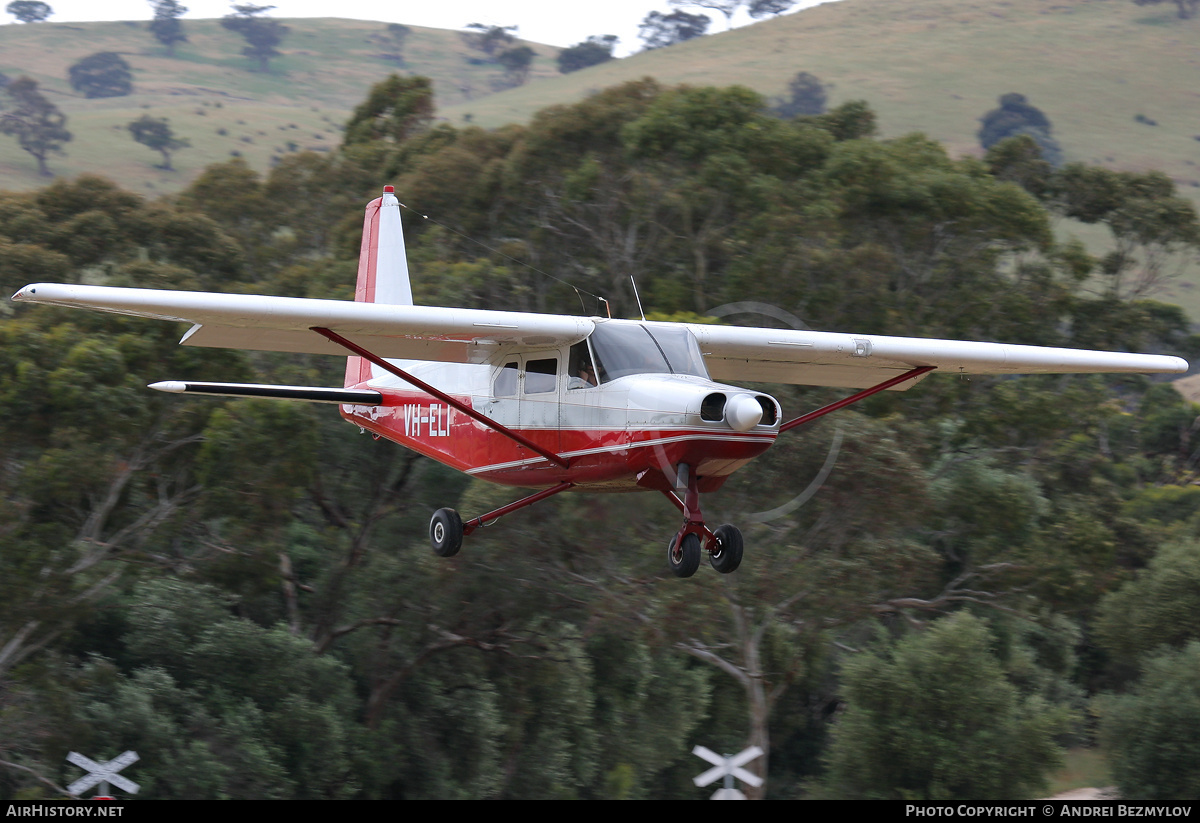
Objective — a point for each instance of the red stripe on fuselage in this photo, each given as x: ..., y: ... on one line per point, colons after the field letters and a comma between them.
x: 609, y: 457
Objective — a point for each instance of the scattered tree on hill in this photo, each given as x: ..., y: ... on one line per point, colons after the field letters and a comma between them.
x: 156, y: 134
x: 597, y: 49
x: 1187, y: 8
x: 516, y: 62
x: 38, y: 125
x: 660, y: 30
x: 29, y: 11
x: 1016, y: 115
x: 103, y: 74
x: 756, y: 8
x: 761, y: 8
x: 393, y: 42
x: 488, y: 39
x: 394, y: 110
x: 262, y: 34
x: 165, y: 26
x: 726, y: 7
x: 806, y: 96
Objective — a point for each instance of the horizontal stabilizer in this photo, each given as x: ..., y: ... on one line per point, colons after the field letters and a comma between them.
x: 312, y: 394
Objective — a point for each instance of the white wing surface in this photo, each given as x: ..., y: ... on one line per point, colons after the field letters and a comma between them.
x: 732, y: 353
x: 859, y: 361
x: 248, y: 321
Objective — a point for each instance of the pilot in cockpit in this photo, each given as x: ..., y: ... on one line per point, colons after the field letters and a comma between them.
x: 581, y: 375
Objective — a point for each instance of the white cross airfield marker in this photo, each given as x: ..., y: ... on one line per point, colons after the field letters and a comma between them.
x: 728, y: 768
x: 103, y: 773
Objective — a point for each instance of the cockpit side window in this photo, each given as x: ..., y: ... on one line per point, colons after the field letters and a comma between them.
x: 581, y: 374
x: 506, y: 381
x: 541, y: 376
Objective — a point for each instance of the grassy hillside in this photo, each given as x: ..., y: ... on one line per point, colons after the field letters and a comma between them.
x: 930, y: 65
x: 938, y: 65
x: 1093, y: 66
x: 215, y: 100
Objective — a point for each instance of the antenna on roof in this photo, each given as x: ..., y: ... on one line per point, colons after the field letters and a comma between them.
x: 637, y: 297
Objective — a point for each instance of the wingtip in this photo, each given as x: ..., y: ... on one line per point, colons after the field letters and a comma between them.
x: 172, y: 386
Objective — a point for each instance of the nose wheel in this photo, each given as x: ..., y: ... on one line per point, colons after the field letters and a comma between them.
x: 725, y: 549
x: 683, y: 556
x: 724, y: 545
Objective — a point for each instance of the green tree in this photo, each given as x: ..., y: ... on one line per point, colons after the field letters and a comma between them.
x: 262, y: 34
x: 165, y: 26
x: 597, y: 49
x: 1161, y: 607
x: 933, y: 717
x: 29, y: 11
x: 1016, y: 115
x: 806, y: 95
x: 205, y: 686
x: 1019, y: 160
x: 393, y: 41
x: 1152, y: 734
x: 156, y: 134
x: 516, y: 62
x: 395, y: 109
x: 103, y: 74
x: 725, y: 7
x: 37, y: 124
x: 658, y: 30
x: 761, y: 8
x: 1153, y: 229
x: 488, y: 39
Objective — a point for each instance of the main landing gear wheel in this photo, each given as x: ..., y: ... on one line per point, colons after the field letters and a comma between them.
x: 446, y: 532
x: 683, y: 556
x: 726, y: 555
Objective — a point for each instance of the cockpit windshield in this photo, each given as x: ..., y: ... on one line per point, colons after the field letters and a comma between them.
x: 623, y: 349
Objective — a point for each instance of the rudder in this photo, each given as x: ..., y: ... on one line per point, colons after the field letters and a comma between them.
x: 382, y: 267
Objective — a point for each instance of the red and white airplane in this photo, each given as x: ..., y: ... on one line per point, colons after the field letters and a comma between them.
x: 554, y: 402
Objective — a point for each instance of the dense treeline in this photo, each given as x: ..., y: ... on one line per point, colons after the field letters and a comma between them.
x: 241, y: 591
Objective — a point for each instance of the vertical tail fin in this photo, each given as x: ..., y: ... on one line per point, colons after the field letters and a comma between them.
x: 382, y: 268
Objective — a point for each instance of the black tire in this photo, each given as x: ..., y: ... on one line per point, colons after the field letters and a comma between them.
x: 446, y: 532
x: 686, y: 559
x: 727, y: 554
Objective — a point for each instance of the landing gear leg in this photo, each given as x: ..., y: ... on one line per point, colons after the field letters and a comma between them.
x: 724, y: 546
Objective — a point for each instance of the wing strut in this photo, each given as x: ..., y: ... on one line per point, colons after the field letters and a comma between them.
x: 854, y: 398
x: 441, y: 395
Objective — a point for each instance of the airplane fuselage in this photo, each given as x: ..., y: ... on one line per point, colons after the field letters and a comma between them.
x: 627, y: 434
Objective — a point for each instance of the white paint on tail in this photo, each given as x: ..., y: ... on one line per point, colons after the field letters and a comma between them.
x: 382, y: 270
x: 391, y: 263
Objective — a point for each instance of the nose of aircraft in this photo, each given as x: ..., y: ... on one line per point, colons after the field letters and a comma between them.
x: 743, y: 412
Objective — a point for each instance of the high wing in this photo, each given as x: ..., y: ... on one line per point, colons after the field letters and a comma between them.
x: 472, y: 336
x: 813, y: 358
x: 250, y: 321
